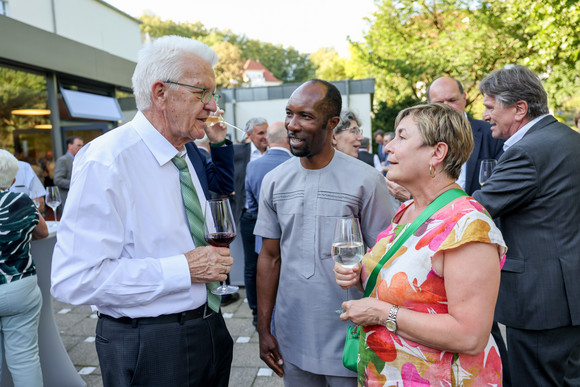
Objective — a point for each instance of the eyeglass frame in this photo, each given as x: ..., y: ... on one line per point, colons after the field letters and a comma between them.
x: 215, y: 96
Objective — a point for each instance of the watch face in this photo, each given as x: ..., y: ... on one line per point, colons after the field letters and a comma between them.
x: 391, y: 325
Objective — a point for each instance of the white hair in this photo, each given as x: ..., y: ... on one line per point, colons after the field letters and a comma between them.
x: 162, y: 60
x: 8, y: 169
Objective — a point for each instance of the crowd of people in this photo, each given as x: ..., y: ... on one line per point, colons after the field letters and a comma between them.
x: 447, y: 258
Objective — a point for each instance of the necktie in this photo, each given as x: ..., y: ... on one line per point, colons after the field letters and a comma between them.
x: 195, y: 218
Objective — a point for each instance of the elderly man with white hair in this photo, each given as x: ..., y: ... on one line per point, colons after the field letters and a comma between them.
x: 128, y: 243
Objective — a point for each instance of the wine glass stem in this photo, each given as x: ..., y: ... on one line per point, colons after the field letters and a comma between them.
x: 347, y: 294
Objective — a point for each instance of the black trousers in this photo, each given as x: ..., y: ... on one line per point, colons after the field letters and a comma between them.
x: 247, y: 224
x: 496, y: 333
x: 196, y: 352
x: 545, y: 357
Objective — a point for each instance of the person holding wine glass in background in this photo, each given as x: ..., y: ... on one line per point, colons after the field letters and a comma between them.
x: 20, y: 298
x: 299, y: 204
x: 131, y: 241
x: 428, y: 318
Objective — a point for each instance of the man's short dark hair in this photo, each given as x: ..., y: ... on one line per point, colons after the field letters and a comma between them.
x: 70, y: 140
x: 379, y: 133
x: 331, y: 104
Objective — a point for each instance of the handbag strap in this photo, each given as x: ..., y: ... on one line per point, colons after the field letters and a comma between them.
x: 443, y: 199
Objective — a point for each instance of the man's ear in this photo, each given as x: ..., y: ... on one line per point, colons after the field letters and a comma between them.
x: 159, y: 92
x: 332, y: 122
x: 521, y: 110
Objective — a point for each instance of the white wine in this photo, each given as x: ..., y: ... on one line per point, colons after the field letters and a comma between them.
x: 347, y: 254
x: 212, y: 120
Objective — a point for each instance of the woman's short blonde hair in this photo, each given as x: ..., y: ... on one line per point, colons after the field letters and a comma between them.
x: 440, y: 123
x: 8, y: 169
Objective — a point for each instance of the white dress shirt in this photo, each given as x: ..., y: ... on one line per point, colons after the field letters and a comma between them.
x: 27, y: 180
x: 255, y: 152
x: 124, y: 231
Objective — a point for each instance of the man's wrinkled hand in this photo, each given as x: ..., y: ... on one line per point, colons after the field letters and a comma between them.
x: 208, y: 264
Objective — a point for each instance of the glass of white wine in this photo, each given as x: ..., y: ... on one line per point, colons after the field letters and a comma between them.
x: 215, y: 118
x: 53, y: 199
x: 486, y: 170
x: 347, y: 244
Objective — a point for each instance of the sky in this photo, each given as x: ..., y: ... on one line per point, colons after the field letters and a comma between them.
x: 306, y: 25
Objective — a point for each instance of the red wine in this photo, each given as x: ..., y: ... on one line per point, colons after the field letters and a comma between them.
x: 220, y: 239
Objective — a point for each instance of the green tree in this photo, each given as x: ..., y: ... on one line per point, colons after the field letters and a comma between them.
x: 411, y: 43
x: 329, y: 65
x: 229, y: 68
x: 287, y: 64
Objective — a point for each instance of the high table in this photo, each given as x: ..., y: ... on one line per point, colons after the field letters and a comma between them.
x: 57, y: 368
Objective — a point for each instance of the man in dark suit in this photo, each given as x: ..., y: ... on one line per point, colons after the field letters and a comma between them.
x: 534, y: 190
x: 450, y: 91
x: 243, y: 154
x: 215, y: 174
x: 63, y: 168
x: 364, y: 154
x: 256, y: 170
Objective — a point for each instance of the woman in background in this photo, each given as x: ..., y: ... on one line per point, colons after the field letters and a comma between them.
x: 20, y: 298
x: 347, y: 135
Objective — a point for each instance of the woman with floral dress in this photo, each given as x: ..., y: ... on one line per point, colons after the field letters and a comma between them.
x: 428, y: 319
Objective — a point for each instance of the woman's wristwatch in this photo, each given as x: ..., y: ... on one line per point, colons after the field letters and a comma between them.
x: 391, y: 322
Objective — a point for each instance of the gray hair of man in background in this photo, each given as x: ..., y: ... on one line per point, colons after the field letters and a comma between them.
x: 8, y: 169
x: 345, y: 118
x: 364, y: 143
x: 254, y: 122
x: 162, y: 60
x: 516, y: 83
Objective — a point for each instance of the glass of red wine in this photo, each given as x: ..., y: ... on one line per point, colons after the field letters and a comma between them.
x: 220, y: 231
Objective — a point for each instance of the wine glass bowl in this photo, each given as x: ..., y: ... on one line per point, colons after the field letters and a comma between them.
x: 53, y: 199
x: 220, y: 231
x: 347, y: 244
x: 486, y: 170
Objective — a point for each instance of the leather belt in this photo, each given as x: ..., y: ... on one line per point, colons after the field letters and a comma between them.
x: 203, y: 311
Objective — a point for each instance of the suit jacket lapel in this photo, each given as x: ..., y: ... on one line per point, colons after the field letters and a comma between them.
x: 473, y: 159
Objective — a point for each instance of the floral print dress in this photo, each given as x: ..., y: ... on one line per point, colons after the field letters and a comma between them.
x: 408, y: 279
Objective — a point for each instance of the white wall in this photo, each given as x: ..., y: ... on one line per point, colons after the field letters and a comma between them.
x: 37, y: 13
x: 86, y: 21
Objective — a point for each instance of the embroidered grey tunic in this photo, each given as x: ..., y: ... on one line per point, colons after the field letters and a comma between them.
x: 300, y: 207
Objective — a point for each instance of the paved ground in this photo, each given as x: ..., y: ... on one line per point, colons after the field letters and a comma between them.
x: 77, y: 330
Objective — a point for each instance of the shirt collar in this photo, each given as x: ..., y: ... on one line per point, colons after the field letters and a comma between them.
x: 280, y: 149
x: 161, y: 149
x: 517, y: 136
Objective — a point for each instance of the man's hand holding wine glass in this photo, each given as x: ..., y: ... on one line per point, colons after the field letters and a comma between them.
x: 215, y: 129
x: 208, y: 264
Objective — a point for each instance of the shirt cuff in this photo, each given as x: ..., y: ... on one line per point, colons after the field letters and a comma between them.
x: 176, y: 276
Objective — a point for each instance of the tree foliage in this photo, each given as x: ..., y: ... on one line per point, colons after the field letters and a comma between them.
x: 329, y: 65
x: 411, y: 43
x: 287, y: 64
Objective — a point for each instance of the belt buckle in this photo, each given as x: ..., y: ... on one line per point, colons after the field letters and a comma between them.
x: 206, y: 308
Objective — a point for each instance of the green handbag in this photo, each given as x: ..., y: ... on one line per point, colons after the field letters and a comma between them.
x: 351, y: 344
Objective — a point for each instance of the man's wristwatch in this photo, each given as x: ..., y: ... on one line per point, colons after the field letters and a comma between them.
x: 391, y: 322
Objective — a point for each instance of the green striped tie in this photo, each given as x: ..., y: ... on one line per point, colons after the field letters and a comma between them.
x: 195, y: 218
